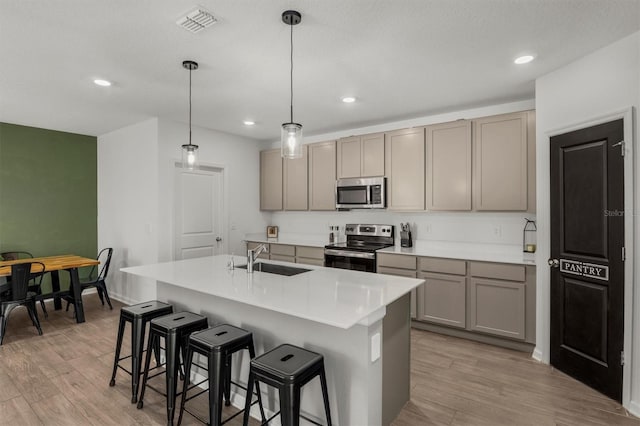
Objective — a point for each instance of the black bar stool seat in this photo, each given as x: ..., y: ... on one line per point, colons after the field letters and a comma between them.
x: 288, y: 368
x: 175, y: 330
x: 138, y: 315
x: 217, y: 344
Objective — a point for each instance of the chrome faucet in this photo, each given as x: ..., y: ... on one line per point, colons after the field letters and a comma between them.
x: 252, y: 255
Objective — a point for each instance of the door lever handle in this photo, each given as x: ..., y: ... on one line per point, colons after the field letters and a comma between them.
x: 554, y: 263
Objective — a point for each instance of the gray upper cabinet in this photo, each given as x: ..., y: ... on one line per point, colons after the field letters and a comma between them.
x: 361, y: 156
x: 295, y: 182
x: 270, y: 180
x: 405, y: 166
x: 500, y: 162
x: 322, y: 176
x: 448, y: 161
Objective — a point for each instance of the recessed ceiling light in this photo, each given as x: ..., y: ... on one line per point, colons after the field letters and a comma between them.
x: 348, y: 99
x: 100, y: 82
x: 525, y: 59
x: 249, y: 122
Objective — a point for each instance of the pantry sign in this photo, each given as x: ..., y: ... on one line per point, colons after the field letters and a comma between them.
x: 589, y: 270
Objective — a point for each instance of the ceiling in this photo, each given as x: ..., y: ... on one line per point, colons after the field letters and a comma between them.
x: 401, y: 59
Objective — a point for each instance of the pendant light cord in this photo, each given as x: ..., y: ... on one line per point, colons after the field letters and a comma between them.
x: 291, y: 73
x: 190, y: 106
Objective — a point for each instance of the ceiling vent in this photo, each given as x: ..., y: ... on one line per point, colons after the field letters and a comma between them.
x: 196, y: 20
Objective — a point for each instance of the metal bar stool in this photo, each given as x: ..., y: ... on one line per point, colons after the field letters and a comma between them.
x: 175, y: 329
x: 138, y: 315
x: 217, y: 344
x: 288, y: 368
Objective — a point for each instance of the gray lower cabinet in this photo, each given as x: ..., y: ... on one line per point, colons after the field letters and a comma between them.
x: 442, y: 299
x: 290, y: 253
x: 403, y: 266
x: 497, y: 307
x: 502, y: 300
x: 469, y: 297
x: 310, y: 255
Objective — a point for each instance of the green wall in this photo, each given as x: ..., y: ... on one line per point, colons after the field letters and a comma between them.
x: 48, y: 192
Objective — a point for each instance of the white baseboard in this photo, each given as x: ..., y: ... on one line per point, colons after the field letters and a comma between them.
x: 125, y: 300
x: 537, y: 355
x: 634, y: 408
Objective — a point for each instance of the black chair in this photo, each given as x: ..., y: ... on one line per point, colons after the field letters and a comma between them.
x: 19, y: 295
x: 36, y: 279
x: 217, y: 345
x: 175, y: 330
x: 288, y: 368
x: 104, y: 257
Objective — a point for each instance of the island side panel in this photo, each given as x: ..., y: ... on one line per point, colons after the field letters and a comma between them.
x: 396, y: 355
x: 354, y: 382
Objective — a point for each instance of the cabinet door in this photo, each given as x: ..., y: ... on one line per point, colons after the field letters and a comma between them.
x: 500, y: 162
x: 295, y: 182
x: 349, y: 151
x: 404, y: 159
x: 448, y: 160
x: 404, y: 273
x: 497, y: 307
x: 372, y: 155
x: 270, y: 180
x: 442, y: 299
x: 322, y: 176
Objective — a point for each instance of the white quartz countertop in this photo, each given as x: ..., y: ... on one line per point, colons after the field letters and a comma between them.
x: 310, y: 240
x: 500, y: 253
x: 335, y: 297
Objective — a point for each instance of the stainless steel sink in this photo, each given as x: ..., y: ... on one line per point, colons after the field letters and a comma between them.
x: 275, y: 269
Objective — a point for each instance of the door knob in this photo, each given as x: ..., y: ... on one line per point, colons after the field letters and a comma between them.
x: 554, y: 263
x: 218, y: 239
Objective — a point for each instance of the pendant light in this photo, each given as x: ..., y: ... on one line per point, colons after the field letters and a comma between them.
x: 189, y: 150
x: 291, y: 133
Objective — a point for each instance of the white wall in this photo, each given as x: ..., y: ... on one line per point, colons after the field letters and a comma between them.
x: 240, y: 158
x: 127, y: 205
x: 485, y: 227
x: 602, y: 83
x: 135, y: 194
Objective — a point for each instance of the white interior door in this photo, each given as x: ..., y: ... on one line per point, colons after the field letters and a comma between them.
x: 199, y: 210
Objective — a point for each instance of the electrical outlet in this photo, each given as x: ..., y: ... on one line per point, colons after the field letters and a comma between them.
x: 497, y: 231
x: 427, y: 228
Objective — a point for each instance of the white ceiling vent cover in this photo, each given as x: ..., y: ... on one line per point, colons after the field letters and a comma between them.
x: 197, y: 20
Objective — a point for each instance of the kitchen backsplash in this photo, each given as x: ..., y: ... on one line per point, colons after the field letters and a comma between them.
x: 472, y: 227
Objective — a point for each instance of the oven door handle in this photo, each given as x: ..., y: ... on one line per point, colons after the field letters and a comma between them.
x: 348, y: 253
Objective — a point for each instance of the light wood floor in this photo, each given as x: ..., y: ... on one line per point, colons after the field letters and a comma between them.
x: 61, y: 378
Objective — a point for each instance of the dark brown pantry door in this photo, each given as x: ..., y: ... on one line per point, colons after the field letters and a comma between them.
x: 587, y: 239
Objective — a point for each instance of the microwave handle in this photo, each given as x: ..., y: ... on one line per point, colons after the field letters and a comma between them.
x: 369, y: 190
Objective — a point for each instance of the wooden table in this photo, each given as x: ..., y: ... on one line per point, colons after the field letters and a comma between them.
x: 54, y: 264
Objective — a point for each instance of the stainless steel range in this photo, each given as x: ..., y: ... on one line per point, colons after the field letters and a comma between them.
x: 359, y: 251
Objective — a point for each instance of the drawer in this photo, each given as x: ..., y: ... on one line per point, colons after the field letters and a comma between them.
x: 396, y: 271
x: 310, y: 252
x: 283, y: 249
x: 442, y: 266
x: 499, y: 271
x: 309, y: 261
x: 282, y: 258
x: 397, y: 261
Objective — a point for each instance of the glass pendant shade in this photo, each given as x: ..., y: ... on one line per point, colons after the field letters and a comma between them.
x: 291, y: 140
x: 190, y: 156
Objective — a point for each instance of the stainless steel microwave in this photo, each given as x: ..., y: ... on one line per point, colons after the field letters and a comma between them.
x: 361, y: 193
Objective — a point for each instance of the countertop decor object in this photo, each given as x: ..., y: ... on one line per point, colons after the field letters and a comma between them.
x: 272, y: 231
x: 529, y: 236
x: 291, y: 133
x: 189, y: 150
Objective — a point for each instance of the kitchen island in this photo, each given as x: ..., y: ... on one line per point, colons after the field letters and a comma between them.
x: 359, y: 321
